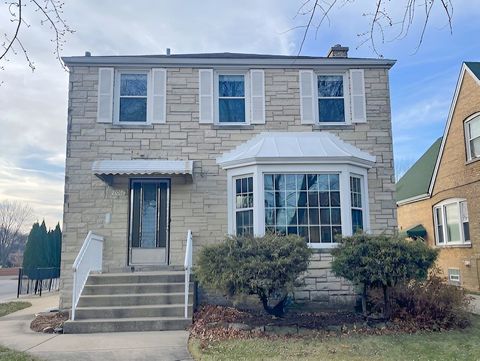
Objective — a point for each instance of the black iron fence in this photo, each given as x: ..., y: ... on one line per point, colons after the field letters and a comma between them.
x: 38, y: 280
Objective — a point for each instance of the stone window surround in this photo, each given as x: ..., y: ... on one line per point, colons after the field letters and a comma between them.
x: 468, y: 139
x: 258, y: 171
x: 441, y: 206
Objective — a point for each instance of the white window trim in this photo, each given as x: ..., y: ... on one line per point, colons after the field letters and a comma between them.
x: 258, y: 171
x: 468, y: 138
x: 442, y: 206
x: 235, y: 209
x: 116, y: 96
x: 454, y: 281
x: 364, y: 199
x: 216, y: 112
x: 346, y: 98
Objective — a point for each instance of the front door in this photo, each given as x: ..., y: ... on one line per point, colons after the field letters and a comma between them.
x: 149, y: 221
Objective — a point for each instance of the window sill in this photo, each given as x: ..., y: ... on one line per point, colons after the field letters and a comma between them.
x: 472, y: 160
x: 459, y: 245
x: 343, y: 126
x: 130, y: 126
x: 234, y: 126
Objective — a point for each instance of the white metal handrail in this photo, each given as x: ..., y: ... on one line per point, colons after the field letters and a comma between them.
x: 188, y: 268
x: 89, y: 259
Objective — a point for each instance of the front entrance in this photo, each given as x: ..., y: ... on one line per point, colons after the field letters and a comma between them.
x: 149, y: 222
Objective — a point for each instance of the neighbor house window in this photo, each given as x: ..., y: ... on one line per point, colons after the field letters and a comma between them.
x: 356, y: 203
x: 451, y: 222
x: 331, y: 98
x: 304, y: 204
x: 244, y: 206
x: 472, y: 134
x: 454, y: 276
x: 231, y: 98
x: 132, y: 97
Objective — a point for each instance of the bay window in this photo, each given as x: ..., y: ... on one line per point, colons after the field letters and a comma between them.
x: 244, y: 206
x: 451, y: 222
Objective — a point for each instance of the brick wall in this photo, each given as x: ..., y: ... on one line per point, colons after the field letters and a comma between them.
x: 199, y: 205
x: 455, y: 179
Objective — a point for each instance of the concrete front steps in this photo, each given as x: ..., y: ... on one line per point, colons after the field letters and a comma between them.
x: 129, y: 302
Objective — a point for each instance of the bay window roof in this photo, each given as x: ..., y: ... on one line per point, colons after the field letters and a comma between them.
x: 295, y: 148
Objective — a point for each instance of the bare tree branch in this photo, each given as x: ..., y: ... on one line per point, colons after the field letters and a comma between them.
x: 14, y: 216
x: 380, y: 19
x: 51, y: 14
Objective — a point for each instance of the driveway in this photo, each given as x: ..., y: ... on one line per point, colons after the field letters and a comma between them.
x: 8, y: 288
x: 16, y: 334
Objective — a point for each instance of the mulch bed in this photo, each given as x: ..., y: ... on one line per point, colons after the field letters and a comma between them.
x: 49, y: 321
x: 215, y: 323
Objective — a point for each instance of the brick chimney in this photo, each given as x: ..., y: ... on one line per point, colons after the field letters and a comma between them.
x: 338, y: 51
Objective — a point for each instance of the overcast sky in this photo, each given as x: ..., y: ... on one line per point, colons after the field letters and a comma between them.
x: 33, y: 106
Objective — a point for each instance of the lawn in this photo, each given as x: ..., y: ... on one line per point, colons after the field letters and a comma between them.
x: 10, y: 355
x: 440, y: 346
x: 10, y: 307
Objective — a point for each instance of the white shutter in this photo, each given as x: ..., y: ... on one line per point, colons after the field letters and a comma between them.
x: 257, y: 91
x: 105, y: 95
x: 206, y: 95
x: 307, y: 101
x: 357, y: 94
x: 159, y: 95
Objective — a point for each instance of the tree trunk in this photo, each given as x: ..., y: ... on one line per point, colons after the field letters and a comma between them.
x: 386, y: 306
x: 364, y: 300
x: 277, y: 310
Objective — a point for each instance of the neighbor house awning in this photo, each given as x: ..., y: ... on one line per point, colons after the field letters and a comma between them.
x: 417, y: 231
x: 105, y: 169
x: 295, y: 147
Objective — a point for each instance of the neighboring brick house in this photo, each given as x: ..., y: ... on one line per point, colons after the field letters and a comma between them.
x: 438, y: 198
x: 225, y: 144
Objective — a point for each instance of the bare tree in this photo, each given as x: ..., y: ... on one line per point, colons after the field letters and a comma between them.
x: 380, y: 18
x: 14, y: 216
x: 21, y: 14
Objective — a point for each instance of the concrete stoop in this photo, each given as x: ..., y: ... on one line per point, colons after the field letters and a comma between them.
x: 129, y: 302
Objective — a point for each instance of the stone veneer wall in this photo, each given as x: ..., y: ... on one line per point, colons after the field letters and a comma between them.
x: 199, y: 205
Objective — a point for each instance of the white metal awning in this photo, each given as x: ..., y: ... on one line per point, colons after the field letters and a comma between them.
x: 105, y: 169
x: 295, y: 147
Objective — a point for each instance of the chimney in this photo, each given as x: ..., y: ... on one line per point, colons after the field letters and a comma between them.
x: 168, y: 51
x: 87, y: 53
x: 338, y: 51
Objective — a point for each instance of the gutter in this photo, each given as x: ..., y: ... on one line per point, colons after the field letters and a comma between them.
x: 414, y: 199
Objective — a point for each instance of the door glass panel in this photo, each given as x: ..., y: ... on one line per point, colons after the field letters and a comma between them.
x: 149, y: 215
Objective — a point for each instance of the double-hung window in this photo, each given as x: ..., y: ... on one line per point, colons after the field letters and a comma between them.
x: 132, y: 104
x: 331, y: 98
x: 451, y: 222
x: 472, y: 135
x: 356, y: 203
x: 244, y: 206
x: 232, y: 107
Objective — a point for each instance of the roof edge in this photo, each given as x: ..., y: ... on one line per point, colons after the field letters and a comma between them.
x: 414, y: 199
x: 218, y: 61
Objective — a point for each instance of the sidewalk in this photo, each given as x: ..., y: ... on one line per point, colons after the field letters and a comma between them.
x: 16, y: 334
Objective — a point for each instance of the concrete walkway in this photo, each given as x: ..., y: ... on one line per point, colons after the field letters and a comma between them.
x: 16, y: 334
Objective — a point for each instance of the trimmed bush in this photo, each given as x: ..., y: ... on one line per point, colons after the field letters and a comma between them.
x: 432, y: 303
x: 268, y: 267
x: 381, y: 262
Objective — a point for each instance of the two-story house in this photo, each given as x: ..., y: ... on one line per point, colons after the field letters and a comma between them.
x: 438, y: 197
x: 218, y: 144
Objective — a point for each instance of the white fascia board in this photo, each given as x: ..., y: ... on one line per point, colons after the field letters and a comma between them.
x: 447, y: 126
x: 414, y: 199
x: 304, y: 160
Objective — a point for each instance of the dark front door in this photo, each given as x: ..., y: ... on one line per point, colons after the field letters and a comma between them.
x: 149, y: 218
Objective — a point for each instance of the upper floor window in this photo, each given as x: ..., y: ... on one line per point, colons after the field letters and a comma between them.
x: 232, y: 105
x: 451, y: 222
x: 331, y: 98
x: 132, y: 97
x: 472, y: 135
